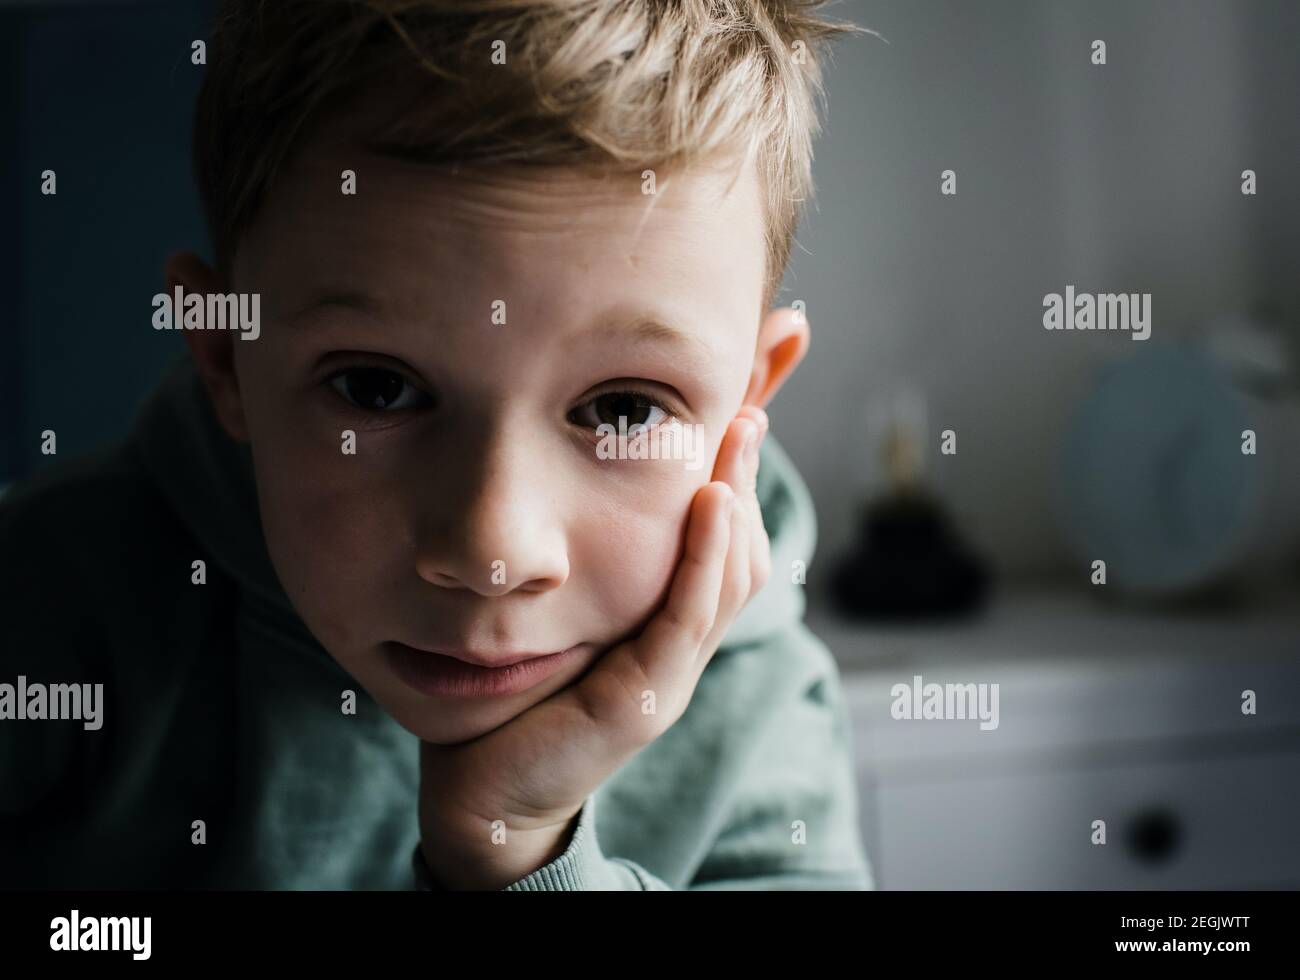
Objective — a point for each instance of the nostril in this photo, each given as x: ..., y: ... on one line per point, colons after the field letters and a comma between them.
x: 439, y: 579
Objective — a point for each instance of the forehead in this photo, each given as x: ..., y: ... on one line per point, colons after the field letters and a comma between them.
x: 409, y: 223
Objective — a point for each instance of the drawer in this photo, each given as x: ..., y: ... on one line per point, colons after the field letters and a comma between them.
x: 1049, y: 711
x: 1222, y: 822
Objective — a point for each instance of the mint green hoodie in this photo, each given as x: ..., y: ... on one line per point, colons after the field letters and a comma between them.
x: 220, y: 706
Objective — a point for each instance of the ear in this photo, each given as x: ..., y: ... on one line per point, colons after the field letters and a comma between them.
x: 212, y: 350
x: 783, y: 339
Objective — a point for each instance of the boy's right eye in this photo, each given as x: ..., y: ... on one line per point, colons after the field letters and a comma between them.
x: 378, y: 390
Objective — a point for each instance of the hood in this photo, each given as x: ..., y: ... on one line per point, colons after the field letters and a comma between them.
x: 207, y: 478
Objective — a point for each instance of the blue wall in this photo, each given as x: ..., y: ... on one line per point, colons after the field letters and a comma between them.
x: 103, y: 95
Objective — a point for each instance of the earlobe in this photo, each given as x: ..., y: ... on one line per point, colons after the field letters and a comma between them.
x: 783, y: 340
x: 212, y: 350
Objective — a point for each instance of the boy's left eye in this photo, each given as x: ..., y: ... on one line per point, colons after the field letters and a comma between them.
x: 632, y: 406
x: 377, y: 390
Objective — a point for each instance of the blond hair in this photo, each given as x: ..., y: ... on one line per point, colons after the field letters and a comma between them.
x: 626, y: 84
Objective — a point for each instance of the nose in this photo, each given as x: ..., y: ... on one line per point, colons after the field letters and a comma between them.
x: 492, y: 527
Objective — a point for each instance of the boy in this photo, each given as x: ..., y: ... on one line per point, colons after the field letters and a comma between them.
x: 485, y: 255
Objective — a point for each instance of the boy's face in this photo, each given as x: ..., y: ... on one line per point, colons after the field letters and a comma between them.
x: 475, y: 516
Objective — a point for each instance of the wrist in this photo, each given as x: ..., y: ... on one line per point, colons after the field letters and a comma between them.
x: 459, y: 862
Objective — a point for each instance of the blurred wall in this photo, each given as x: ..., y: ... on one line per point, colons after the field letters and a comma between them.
x: 1122, y: 177
x: 102, y: 94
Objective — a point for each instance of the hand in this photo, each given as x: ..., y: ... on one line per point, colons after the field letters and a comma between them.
x: 535, y: 772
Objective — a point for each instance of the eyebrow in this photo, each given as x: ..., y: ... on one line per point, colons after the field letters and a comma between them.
x: 340, y: 299
x: 642, y: 329
x: 651, y: 330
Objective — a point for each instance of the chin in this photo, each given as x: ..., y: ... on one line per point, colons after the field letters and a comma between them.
x: 449, y: 724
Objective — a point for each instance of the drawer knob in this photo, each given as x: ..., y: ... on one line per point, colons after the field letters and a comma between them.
x: 1154, y: 835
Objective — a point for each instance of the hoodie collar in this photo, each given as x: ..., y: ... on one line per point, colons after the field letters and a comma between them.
x: 207, y: 478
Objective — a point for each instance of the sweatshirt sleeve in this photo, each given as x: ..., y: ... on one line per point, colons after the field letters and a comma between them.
x: 582, y: 866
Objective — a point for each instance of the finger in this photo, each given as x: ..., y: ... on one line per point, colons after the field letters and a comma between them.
x: 749, y: 560
x: 761, y: 422
x: 757, y: 416
x: 676, y: 633
x: 749, y: 462
x: 731, y: 466
x: 736, y: 586
x: 737, y: 464
x: 760, y: 555
x: 759, y: 547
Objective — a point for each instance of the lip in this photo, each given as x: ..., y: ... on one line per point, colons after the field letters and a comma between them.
x: 457, y: 676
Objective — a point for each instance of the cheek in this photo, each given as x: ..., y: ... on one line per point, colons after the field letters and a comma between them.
x: 631, y: 580
x: 333, y: 540
x: 629, y: 554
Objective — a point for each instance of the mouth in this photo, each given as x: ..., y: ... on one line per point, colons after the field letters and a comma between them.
x: 473, y: 674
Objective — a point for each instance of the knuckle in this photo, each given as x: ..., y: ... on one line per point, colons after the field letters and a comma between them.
x: 739, y: 591
x: 649, y: 726
x: 697, y: 630
x: 693, y: 626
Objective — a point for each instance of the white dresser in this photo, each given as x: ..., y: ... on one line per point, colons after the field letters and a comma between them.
x: 1104, y: 713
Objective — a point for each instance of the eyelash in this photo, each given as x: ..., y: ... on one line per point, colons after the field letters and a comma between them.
x: 372, y: 413
x: 635, y: 393
x: 638, y: 394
